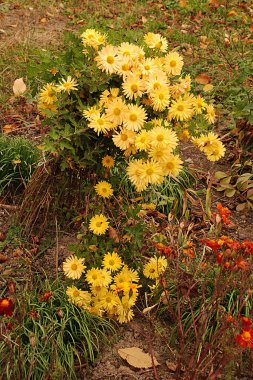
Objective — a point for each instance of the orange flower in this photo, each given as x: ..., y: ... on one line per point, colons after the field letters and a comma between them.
x: 245, y: 339
x: 211, y: 244
x: 45, y: 297
x: 246, y: 322
x: 224, y: 213
x: 247, y: 246
x: 6, y: 306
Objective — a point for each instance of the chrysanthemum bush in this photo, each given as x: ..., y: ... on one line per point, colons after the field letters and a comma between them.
x: 112, y: 290
x: 204, y: 287
x: 146, y: 108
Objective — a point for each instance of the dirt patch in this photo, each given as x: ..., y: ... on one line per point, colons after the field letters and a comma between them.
x: 29, y: 26
x: 139, y: 333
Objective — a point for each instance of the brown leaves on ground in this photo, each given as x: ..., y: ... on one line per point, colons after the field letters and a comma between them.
x: 137, y: 358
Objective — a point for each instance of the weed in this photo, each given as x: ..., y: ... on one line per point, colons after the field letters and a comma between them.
x: 18, y: 159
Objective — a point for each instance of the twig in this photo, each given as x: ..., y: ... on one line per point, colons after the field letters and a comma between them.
x: 56, y: 249
x: 9, y: 207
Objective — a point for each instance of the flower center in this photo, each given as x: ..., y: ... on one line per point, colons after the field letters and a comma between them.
x: 100, y: 122
x: 133, y: 117
x: 180, y: 107
x: 147, y: 67
x: 110, y: 59
x: 76, y: 293
x: 73, y: 266
x: 160, y: 138
x: 94, y: 276
x: 125, y: 67
x: 161, y: 96
x: 149, y: 171
x: 173, y: 63
x: 111, y: 262
x: 169, y: 166
x: 98, y: 224
x: 124, y: 137
x: 134, y: 87
x: 158, y: 45
x: 246, y: 336
x: 156, y: 85
x: 5, y: 303
x: 117, y: 111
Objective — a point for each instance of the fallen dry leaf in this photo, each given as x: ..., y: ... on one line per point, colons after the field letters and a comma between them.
x: 114, y: 234
x: 8, y: 128
x: 136, y: 357
x: 203, y: 78
x: 3, y: 258
x: 171, y: 366
x: 19, y: 87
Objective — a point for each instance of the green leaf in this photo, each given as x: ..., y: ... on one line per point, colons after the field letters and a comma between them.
x: 230, y: 193
x: 220, y: 175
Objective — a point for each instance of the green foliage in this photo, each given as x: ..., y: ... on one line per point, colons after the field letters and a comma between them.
x: 235, y: 184
x: 52, y: 337
x: 18, y: 159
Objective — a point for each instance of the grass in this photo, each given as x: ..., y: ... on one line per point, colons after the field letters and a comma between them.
x: 18, y: 159
x: 53, y: 338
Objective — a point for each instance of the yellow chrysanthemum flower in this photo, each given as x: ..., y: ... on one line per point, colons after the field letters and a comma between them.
x: 159, y: 153
x: 108, y: 96
x: 91, y: 37
x: 108, y: 161
x: 172, y: 166
x: 67, y: 85
x: 160, y: 98
x: 173, y: 63
x: 124, y: 138
x: 155, y: 267
x: 161, y: 136
x: 148, y: 66
x: 156, y: 80
x: 210, y: 114
x: 133, y: 87
x: 150, y: 270
x: 124, y: 315
x: 156, y: 41
x: 210, y: 145
x: 98, y: 277
x: 104, y: 189
x: 112, y: 261
x: 128, y: 51
x: 142, y: 141
x: 132, y: 274
x: 134, y: 171
x: 99, y: 123
x: 90, y: 112
x: 73, y: 267
x: 181, y: 109
x: 48, y: 94
x: 78, y: 297
x: 199, y: 104
x: 99, y: 224
x: 109, y: 301
x: 215, y: 151
x: 108, y: 60
x: 116, y: 110
x: 134, y: 117
x: 124, y: 67
x: 151, y: 172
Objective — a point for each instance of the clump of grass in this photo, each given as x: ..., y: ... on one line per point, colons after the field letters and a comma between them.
x: 51, y: 337
x: 18, y: 159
